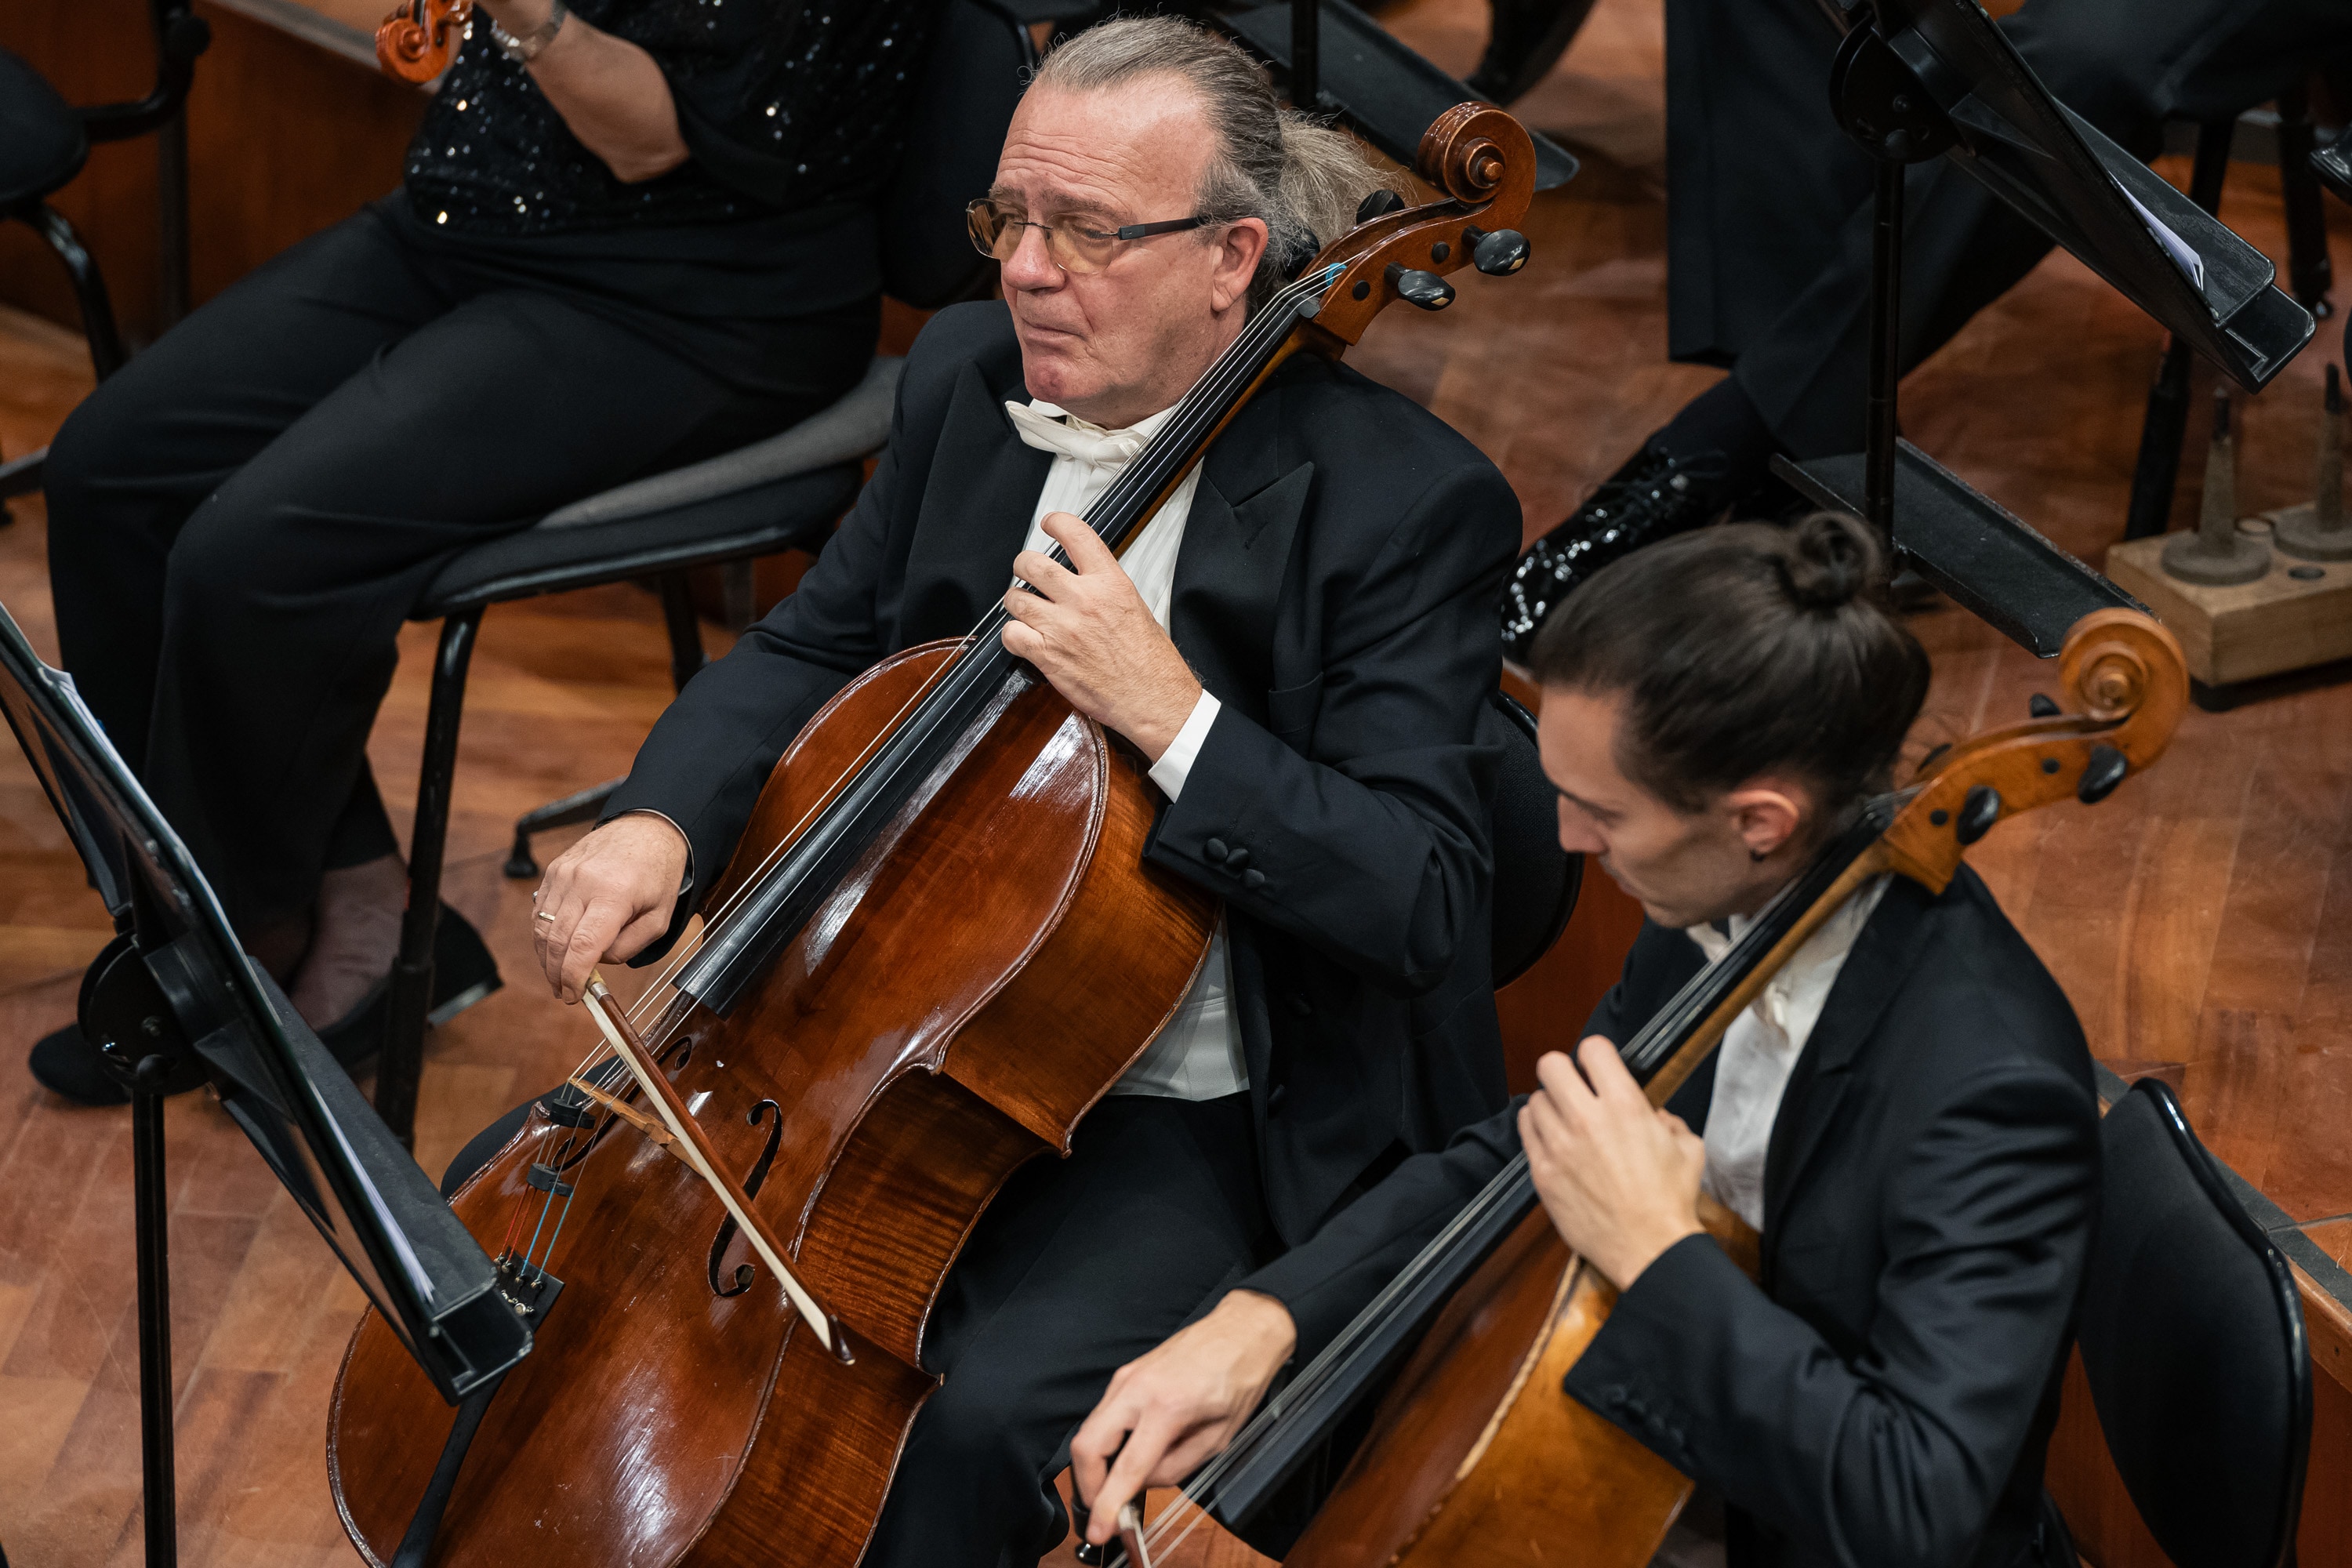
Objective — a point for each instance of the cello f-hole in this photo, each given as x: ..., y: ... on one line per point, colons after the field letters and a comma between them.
x: 773, y: 1114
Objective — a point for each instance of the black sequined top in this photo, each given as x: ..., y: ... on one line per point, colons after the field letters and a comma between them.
x: 784, y: 106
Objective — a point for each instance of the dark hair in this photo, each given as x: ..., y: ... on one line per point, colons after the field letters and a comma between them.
x: 1742, y: 650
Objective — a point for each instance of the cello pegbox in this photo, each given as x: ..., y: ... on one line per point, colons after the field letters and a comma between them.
x: 1482, y: 162
x: 2126, y: 685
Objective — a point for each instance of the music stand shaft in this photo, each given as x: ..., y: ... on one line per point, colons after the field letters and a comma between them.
x: 159, y: 1488
x: 1886, y: 346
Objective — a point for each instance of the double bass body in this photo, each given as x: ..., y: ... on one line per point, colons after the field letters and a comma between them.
x: 991, y: 967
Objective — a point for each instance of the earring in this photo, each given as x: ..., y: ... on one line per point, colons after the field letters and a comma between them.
x: 1756, y: 854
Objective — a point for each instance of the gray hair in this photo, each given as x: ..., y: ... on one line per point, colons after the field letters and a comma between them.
x: 1301, y: 177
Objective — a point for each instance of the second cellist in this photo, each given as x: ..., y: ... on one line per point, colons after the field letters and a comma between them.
x: 1901, y: 1104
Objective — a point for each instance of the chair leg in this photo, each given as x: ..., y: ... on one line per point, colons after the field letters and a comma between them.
x: 2165, y: 426
x: 402, y: 1065
x: 171, y: 218
x: 685, y: 655
x: 584, y: 807
x: 2309, y: 271
x: 106, y: 355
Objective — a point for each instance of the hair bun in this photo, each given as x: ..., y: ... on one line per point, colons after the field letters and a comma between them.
x: 1831, y: 560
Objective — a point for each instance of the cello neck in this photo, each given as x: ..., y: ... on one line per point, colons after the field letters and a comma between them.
x: 935, y: 732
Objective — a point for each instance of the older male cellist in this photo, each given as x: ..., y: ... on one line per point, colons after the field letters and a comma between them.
x: 1299, y: 644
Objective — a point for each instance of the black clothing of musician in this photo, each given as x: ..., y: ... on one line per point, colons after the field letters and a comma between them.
x: 1884, y: 1393
x: 1769, y: 236
x: 1332, y: 593
x: 241, y: 519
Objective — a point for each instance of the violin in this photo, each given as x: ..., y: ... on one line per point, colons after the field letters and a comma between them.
x: 416, y: 41
x: 1475, y: 1455
x: 936, y: 946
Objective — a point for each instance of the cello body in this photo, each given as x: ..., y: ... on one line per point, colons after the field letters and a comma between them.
x: 1478, y: 1458
x: 993, y: 965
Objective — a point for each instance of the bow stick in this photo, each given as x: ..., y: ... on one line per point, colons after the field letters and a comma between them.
x: 694, y: 1148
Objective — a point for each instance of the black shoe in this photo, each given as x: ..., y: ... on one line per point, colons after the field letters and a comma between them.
x: 462, y: 974
x: 1655, y: 495
x: 68, y: 1065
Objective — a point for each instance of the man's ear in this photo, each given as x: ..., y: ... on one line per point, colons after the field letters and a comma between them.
x: 1238, y: 250
x: 1768, y: 814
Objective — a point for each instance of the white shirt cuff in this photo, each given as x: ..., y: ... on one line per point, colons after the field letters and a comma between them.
x: 685, y: 883
x: 1175, y: 763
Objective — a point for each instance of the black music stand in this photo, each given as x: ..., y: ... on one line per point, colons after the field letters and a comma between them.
x: 1921, y: 79
x: 172, y: 1002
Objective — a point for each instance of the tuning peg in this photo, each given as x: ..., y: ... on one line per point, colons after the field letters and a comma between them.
x: 2040, y: 707
x: 1499, y: 254
x: 1980, y: 809
x: 1380, y: 204
x: 2105, y: 770
x: 1414, y: 287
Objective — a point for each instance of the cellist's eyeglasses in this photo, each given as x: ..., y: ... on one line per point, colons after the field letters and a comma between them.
x: 1076, y: 242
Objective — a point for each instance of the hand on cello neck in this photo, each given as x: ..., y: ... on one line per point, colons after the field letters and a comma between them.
x: 1087, y: 631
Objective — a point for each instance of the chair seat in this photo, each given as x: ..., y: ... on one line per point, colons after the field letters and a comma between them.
x: 42, y: 144
x: 761, y: 520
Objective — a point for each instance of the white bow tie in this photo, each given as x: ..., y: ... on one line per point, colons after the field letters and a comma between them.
x: 1089, y: 444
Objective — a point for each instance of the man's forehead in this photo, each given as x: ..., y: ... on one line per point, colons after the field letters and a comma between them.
x: 1106, y: 148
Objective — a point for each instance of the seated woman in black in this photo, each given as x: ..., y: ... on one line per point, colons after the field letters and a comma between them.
x: 633, y: 233
x: 1906, y: 1113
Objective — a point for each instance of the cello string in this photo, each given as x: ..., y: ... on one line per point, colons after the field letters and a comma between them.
x: 1151, y: 473
x: 1154, y: 467
x: 1692, y: 1004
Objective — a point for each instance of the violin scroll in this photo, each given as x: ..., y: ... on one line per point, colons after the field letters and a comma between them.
x: 416, y: 41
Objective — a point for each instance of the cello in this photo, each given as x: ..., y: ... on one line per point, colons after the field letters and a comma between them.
x: 1476, y: 1455
x: 936, y: 947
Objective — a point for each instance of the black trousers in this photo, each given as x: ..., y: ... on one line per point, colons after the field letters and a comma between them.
x: 1769, y: 209
x: 1079, y: 1266
x: 240, y: 520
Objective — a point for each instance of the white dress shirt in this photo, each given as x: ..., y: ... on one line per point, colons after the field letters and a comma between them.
x: 1760, y: 1049
x: 1199, y: 1055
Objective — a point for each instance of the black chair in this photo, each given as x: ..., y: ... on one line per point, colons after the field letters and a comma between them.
x: 2164, y: 426
x: 1535, y: 881
x: 45, y: 140
x: 2192, y: 1336
x: 784, y: 492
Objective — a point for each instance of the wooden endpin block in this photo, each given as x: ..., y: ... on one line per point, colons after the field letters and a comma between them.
x: 2278, y: 622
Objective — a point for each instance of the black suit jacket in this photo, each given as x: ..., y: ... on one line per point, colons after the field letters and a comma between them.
x: 1336, y: 592
x: 1884, y: 1395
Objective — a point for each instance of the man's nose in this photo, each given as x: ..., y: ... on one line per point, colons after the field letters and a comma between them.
x: 1033, y: 264
x: 1575, y: 833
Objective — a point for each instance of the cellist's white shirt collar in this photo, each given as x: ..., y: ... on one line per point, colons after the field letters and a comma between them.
x: 1761, y: 1048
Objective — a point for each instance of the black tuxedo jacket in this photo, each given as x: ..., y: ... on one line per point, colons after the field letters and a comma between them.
x: 1336, y: 592
x: 1882, y: 1396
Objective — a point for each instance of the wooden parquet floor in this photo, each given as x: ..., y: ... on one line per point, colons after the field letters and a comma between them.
x: 2202, y: 919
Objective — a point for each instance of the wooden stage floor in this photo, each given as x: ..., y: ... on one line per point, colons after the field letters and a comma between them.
x: 2202, y: 919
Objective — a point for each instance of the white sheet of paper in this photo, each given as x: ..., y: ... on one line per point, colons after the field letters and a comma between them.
x: 2191, y: 265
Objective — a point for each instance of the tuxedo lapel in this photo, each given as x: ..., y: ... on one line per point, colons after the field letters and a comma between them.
x: 1226, y: 598
x: 1885, y: 952
x: 975, y: 513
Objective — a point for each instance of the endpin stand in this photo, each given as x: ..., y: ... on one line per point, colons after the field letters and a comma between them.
x: 145, y: 1050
